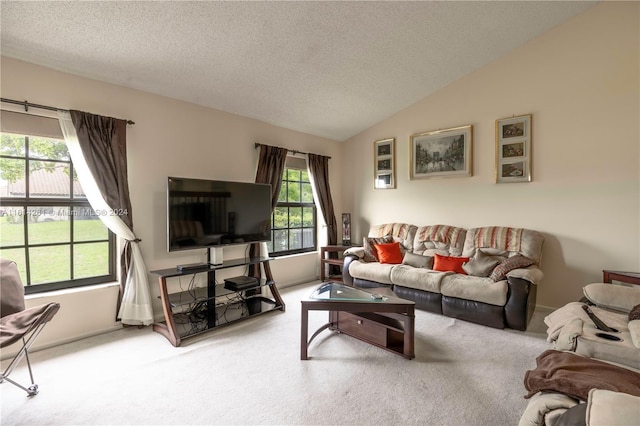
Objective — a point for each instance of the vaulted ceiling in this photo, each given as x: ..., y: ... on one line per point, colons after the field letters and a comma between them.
x: 330, y: 69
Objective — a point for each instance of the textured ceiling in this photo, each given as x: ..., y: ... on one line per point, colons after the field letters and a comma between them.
x: 330, y: 69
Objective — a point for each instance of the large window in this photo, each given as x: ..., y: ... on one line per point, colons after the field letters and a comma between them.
x: 46, y: 223
x: 294, y: 219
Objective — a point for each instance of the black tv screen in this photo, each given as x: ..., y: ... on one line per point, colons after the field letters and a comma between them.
x: 211, y: 213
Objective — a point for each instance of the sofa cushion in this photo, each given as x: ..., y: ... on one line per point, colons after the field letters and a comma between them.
x: 389, y: 253
x: 474, y: 288
x: 442, y: 239
x: 605, y: 407
x: 417, y: 278
x: 612, y: 296
x: 449, y: 263
x: 403, y: 233
x: 508, y: 265
x: 588, y: 344
x: 482, y: 264
x: 417, y: 261
x: 370, y: 254
x: 504, y: 241
x: 372, y: 271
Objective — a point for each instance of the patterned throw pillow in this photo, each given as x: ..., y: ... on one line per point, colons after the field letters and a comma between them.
x: 370, y: 254
x: 508, y: 265
x: 635, y: 313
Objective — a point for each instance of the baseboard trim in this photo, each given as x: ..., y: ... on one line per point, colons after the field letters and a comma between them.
x: 544, y: 308
x: 9, y: 353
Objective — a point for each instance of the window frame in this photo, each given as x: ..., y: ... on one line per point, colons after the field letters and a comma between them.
x: 289, y: 204
x: 72, y: 203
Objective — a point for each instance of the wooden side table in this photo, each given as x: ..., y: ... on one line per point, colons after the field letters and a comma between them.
x: 622, y: 276
x: 326, y: 262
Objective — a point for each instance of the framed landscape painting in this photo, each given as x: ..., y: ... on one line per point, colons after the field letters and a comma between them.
x: 513, y: 149
x: 384, y: 164
x: 442, y: 153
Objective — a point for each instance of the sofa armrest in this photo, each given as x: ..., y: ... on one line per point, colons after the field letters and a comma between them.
x: 616, y: 297
x: 521, y: 301
x: 568, y: 335
x: 346, y: 276
x: 354, y: 251
x: 533, y: 274
x: 606, y: 407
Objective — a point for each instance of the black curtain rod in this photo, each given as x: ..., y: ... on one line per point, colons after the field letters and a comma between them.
x: 29, y: 104
x: 290, y: 150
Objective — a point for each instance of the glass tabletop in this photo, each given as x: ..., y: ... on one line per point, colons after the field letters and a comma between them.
x: 336, y: 291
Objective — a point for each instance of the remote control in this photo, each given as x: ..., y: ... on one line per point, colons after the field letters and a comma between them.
x: 609, y: 337
x: 377, y: 296
x: 597, y: 321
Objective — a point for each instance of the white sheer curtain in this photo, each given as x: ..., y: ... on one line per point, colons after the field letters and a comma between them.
x: 135, y: 308
x: 322, y: 237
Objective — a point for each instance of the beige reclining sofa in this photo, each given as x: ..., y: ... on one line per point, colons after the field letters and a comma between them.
x: 494, y: 284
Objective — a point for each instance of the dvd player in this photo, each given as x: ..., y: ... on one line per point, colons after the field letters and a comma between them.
x: 193, y: 267
x: 240, y: 283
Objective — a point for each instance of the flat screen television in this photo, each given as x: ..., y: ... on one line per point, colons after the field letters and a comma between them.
x: 211, y: 213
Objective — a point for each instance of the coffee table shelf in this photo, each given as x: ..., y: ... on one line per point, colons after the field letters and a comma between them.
x: 388, y: 323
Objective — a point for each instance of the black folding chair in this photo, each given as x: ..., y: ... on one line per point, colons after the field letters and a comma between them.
x: 17, y: 323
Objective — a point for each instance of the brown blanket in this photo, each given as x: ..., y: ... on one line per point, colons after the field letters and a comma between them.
x: 575, y: 375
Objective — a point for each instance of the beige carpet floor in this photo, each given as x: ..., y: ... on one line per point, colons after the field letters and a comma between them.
x: 250, y: 373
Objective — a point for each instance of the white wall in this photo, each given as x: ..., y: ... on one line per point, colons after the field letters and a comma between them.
x: 170, y: 138
x: 581, y: 83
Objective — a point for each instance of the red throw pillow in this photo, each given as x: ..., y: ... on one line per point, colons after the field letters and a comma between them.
x: 389, y: 253
x: 449, y: 263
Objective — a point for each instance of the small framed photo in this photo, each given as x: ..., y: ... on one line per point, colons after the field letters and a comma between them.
x: 346, y: 229
x: 513, y: 149
x: 442, y: 153
x: 384, y: 164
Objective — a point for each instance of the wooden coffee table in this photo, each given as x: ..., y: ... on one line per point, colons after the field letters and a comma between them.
x: 387, y: 322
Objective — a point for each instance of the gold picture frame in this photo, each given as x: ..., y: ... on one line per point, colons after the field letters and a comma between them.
x: 442, y: 153
x: 513, y: 149
x: 384, y: 163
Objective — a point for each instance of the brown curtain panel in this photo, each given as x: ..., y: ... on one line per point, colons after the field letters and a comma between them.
x: 270, y: 167
x: 104, y: 145
x: 319, y: 168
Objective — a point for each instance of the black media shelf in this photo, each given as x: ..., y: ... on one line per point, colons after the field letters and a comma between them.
x: 189, y: 324
x: 191, y: 312
x: 202, y: 294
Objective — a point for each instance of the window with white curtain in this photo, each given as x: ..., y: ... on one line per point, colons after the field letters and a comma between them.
x: 46, y: 223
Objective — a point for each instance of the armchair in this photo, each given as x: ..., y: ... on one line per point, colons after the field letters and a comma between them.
x: 18, y: 324
x: 570, y: 328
